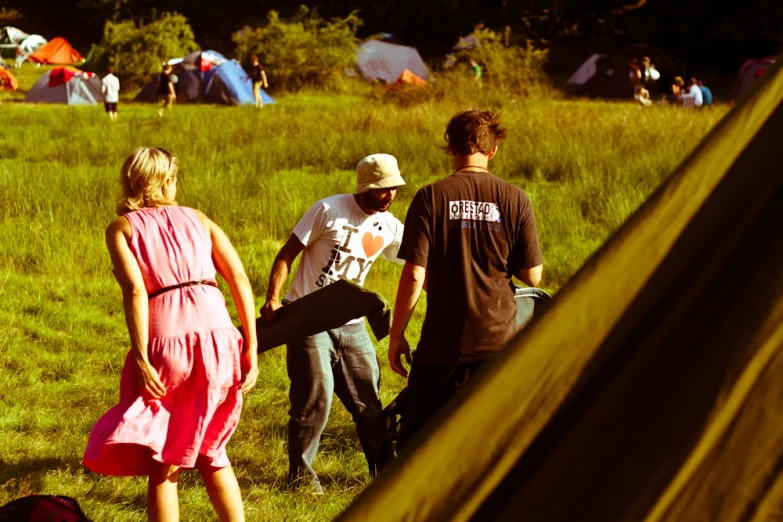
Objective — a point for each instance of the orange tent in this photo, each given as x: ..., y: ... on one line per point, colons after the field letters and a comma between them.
x: 409, y: 78
x: 7, y: 81
x: 57, y: 51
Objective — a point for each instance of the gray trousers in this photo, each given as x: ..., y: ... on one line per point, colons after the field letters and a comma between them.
x: 340, y: 361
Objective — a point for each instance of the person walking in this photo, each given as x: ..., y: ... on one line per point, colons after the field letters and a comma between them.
x: 466, y: 236
x: 188, y: 366
x: 110, y: 87
x: 340, y: 237
x: 167, y: 95
x: 258, y: 77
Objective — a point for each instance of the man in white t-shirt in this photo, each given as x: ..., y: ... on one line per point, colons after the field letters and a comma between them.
x: 110, y: 87
x: 340, y: 237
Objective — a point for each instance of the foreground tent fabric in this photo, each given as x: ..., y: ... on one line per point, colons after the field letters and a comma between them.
x: 385, y: 61
x: 650, y: 390
x: 7, y: 80
x: 750, y: 71
x: 207, y: 77
x: 66, y: 85
x: 56, y: 52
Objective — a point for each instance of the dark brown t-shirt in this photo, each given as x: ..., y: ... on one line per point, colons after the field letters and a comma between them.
x: 471, y: 231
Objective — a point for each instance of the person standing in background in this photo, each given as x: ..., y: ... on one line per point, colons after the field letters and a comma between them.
x: 110, y: 87
x: 258, y: 77
x: 166, y: 93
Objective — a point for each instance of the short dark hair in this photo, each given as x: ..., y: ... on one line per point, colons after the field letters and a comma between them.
x: 110, y: 69
x: 473, y: 131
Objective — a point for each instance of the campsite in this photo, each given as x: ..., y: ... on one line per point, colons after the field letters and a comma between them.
x: 626, y: 198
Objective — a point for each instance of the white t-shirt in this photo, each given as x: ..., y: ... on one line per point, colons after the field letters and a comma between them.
x: 342, y: 242
x: 110, y: 87
x: 694, y: 92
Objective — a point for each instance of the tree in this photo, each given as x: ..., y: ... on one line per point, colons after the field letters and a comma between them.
x: 137, y: 50
x: 8, y: 15
x: 304, y: 50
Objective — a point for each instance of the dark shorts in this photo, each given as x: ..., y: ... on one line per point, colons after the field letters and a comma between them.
x: 110, y: 106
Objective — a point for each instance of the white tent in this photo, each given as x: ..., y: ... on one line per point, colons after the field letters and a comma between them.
x: 384, y: 61
x: 13, y: 35
x: 586, y: 71
x: 30, y: 44
x: 12, y: 38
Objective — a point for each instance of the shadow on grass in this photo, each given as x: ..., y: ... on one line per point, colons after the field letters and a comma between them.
x: 28, y: 475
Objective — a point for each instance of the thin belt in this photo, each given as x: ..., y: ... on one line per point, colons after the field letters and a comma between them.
x: 181, y: 285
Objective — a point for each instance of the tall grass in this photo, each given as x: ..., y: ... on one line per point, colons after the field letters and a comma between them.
x: 586, y: 167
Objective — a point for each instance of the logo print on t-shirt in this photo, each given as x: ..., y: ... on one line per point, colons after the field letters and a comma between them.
x: 371, y: 244
x: 474, y: 211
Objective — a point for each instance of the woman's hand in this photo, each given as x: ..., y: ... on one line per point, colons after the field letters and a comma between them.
x: 149, y: 380
x: 249, y: 369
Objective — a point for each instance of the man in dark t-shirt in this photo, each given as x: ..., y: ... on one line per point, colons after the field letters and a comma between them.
x: 465, y: 235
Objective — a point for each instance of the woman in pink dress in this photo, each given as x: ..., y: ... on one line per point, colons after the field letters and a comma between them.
x: 188, y: 367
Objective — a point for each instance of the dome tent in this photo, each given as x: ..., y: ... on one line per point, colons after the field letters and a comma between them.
x: 7, y: 80
x: 750, y: 71
x: 68, y: 86
x: 56, y: 52
x: 385, y: 61
x: 207, y: 77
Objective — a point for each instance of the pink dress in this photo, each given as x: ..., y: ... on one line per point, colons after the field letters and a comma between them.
x: 192, y: 344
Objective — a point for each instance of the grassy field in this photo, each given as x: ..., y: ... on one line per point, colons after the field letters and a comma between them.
x: 585, y: 165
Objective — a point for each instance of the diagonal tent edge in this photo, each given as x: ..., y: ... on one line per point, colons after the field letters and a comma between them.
x: 456, y: 465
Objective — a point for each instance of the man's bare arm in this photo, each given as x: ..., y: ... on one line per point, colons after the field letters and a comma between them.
x: 279, y: 275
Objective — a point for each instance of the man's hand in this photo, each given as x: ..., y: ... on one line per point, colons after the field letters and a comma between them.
x: 269, y: 310
x: 398, y: 347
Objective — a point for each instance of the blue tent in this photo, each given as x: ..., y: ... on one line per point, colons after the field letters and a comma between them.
x: 207, y: 77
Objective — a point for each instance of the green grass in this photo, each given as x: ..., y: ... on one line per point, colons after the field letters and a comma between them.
x: 585, y: 165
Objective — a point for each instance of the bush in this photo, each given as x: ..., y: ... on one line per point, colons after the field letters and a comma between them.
x: 510, y: 69
x: 302, y: 51
x: 137, y: 51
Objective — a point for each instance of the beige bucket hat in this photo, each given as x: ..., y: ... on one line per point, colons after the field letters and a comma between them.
x: 378, y: 171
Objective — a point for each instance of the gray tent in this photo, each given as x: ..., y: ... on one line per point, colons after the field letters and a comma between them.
x: 651, y: 389
x: 66, y: 85
x: 385, y: 61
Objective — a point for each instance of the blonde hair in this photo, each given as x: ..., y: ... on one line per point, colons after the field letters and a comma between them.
x: 143, y: 179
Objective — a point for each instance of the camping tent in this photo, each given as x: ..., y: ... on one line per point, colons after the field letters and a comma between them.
x: 10, y: 38
x: 607, y: 76
x: 66, y: 85
x: 207, y: 77
x: 409, y: 78
x: 750, y: 71
x: 650, y: 389
x: 57, y: 52
x: 585, y: 71
x: 7, y: 80
x: 385, y: 61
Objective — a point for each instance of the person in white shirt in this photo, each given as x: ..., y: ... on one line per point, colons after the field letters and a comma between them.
x: 110, y: 87
x: 340, y: 237
x: 693, y: 97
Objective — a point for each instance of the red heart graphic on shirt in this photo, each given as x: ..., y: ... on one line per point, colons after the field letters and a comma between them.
x: 371, y: 244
